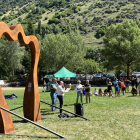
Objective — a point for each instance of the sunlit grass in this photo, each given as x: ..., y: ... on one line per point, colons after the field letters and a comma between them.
x: 111, y: 118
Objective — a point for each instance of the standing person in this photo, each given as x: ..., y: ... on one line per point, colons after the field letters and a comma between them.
x: 133, y: 82
x: 48, y: 86
x: 139, y: 84
x: 120, y: 88
x: 136, y: 82
x: 53, y: 93
x: 79, y: 91
x: 123, y: 87
x: 123, y: 79
x: 107, y: 80
x: 115, y: 82
x: 87, y: 91
x: 44, y: 85
x: 56, y: 83
x: 117, y: 90
x: 60, y: 94
x: 127, y: 85
x: 109, y: 84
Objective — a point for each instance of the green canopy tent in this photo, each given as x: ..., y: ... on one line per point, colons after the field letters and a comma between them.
x: 63, y: 72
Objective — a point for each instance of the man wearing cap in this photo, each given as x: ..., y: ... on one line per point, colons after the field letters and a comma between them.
x: 53, y: 93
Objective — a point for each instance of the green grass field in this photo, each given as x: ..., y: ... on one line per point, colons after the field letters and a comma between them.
x: 111, y: 118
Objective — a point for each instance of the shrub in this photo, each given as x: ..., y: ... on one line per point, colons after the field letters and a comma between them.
x: 46, y: 18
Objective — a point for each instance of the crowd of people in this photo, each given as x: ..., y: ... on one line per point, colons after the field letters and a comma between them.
x: 120, y: 86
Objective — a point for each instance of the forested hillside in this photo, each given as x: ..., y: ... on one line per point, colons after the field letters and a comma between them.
x: 90, y: 17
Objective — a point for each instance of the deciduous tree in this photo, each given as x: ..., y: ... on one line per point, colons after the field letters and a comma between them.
x: 122, y: 44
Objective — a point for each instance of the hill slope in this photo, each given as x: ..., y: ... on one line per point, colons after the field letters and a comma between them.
x: 65, y: 15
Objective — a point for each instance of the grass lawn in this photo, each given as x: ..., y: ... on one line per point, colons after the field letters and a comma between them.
x: 111, y: 118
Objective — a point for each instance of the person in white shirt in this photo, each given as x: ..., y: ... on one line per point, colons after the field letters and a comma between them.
x: 44, y: 85
x: 95, y: 92
x: 60, y: 94
x: 79, y: 91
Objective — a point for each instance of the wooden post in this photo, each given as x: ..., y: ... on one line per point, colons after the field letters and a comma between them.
x: 6, y: 123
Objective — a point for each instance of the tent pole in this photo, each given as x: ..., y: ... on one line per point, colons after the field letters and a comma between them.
x: 16, y: 108
x: 56, y: 107
x: 32, y: 122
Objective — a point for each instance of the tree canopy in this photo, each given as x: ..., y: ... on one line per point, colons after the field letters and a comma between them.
x: 60, y: 50
x: 122, y: 44
x: 10, y: 59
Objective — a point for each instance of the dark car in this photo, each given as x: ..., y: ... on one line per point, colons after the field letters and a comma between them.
x: 104, y: 76
x: 111, y: 76
x: 134, y: 74
x: 97, y: 76
x: 124, y: 74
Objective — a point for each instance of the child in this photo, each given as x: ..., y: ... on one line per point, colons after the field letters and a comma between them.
x: 134, y: 91
x: 110, y: 93
x: 105, y: 92
x: 100, y: 92
x: 95, y: 92
x: 117, y: 90
x: 109, y: 84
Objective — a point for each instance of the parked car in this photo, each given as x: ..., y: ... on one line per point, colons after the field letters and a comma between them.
x: 88, y: 77
x: 80, y: 76
x: 66, y: 78
x: 48, y: 76
x: 124, y: 74
x: 97, y: 76
x: 134, y: 74
x: 104, y: 76
x: 111, y: 76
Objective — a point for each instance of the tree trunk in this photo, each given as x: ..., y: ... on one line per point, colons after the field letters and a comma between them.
x: 13, y: 73
x: 128, y: 71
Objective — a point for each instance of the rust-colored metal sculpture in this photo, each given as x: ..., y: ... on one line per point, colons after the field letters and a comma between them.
x: 6, y: 123
x: 31, y: 103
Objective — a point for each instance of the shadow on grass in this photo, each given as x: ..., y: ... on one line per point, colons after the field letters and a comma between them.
x: 28, y: 136
x: 133, y: 96
x: 72, y: 104
x: 20, y: 121
x: 45, y: 111
x: 73, y: 118
x: 49, y: 113
x: 68, y: 105
x: 45, y: 92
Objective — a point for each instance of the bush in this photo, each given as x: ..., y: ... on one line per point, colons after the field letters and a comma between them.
x: 101, y: 31
x: 46, y: 18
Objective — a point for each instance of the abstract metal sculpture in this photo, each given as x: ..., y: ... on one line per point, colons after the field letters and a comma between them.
x: 31, y: 103
x: 6, y: 123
